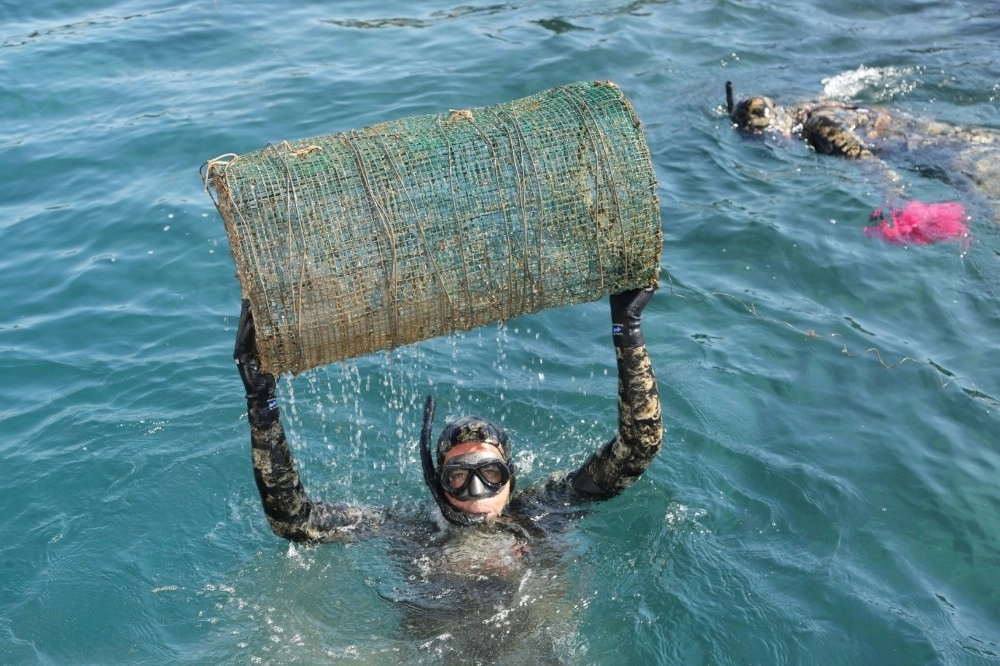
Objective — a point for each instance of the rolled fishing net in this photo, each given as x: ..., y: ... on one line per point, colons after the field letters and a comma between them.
x: 368, y: 239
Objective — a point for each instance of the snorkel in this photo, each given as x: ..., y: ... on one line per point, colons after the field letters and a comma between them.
x: 729, y: 98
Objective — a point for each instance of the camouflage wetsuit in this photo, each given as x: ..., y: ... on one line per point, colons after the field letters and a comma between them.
x: 966, y: 157
x: 495, y: 592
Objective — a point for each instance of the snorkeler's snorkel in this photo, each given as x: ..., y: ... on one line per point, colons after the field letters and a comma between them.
x: 729, y: 97
x: 452, y: 514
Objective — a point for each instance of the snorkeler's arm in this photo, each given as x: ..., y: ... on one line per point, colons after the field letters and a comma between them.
x: 617, y: 464
x: 831, y: 133
x: 290, y: 513
x: 829, y: 136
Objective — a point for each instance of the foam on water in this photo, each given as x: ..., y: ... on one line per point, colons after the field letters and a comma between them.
x: 883, y: 83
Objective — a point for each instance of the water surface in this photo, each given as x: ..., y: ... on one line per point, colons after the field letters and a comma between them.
x: 828, y: 493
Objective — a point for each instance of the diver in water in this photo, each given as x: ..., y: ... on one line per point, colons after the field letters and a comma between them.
x: 830, y: 127
x: 503, y: 559
x: 473, y: 481
x: 966, y: 157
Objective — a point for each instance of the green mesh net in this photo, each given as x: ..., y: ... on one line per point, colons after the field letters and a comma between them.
x: 406, y: 230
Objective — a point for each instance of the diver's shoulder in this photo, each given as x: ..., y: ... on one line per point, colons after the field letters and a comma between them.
x: 551, y: 505
x: 553, y: 492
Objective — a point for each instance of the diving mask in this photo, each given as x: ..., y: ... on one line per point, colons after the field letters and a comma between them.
x: 474, y: 476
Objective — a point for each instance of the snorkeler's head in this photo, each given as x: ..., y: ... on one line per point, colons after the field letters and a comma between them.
x: 473, y: 480
x: 755, y: 114
x: 474, y: 465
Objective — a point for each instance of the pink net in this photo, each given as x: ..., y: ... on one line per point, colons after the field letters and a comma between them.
x: 918, y: 223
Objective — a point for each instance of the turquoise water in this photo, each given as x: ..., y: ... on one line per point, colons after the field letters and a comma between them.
x: 829, y: 491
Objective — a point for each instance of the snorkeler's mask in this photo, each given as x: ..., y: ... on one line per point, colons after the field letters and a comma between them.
x: 467, y: 472
x: 474, y: 476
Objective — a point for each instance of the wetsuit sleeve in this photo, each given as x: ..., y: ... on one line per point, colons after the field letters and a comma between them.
x: 617, y: 464
x: 852, y: 132
x: 290, y: 513
x: 829, y: 136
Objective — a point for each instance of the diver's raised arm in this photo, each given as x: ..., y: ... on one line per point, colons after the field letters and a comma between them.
x: 289, y: 511
x: 617, y: 464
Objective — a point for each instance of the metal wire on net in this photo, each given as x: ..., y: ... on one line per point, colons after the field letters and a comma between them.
x: 406, y: 230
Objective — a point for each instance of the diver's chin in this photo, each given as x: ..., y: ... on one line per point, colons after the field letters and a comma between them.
x: 481, y: 516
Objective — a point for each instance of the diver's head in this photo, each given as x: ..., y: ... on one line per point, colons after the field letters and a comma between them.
x: 474, y: 466
x: 473, y: 479
x: 755, y: 114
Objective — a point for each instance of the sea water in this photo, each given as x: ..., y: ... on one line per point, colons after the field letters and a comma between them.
x: 828, y: 491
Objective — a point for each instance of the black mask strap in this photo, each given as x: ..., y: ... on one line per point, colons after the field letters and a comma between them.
x: 451, y: 513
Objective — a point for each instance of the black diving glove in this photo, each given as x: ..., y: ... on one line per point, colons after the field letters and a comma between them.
x: 626, y: 308
x: 262, y: 407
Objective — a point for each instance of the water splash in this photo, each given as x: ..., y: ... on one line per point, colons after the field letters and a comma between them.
x: 886, y: 82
